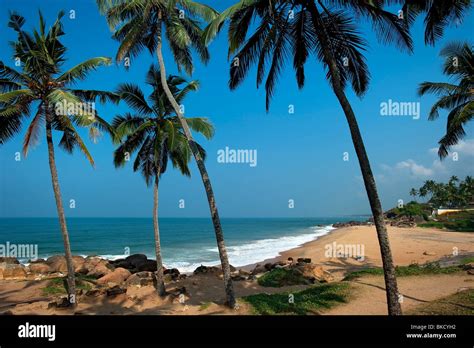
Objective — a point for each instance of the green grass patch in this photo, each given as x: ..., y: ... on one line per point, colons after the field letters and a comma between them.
x: 461, y: 303
x: 467, y: 260
x: 312, y: 300
x: 57, y: 286
x: 279, y: 277
x: 404, y: 271
x: 204, y: 306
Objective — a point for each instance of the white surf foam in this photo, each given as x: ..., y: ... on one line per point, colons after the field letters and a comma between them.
x: 257, y: 251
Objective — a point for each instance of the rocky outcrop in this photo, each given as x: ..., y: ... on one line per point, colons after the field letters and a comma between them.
x: 96, y: 267
x: 57, y: 263
x: 350, y: 223
x: 207, y: 270
x: 39, y: 268
x: 9, y: 260
x: 12, y: 271
x: 313, y: 273
x: 118, y: 276
x: 141, y: 279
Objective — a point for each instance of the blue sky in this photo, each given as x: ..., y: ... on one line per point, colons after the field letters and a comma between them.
x: 300, y: 155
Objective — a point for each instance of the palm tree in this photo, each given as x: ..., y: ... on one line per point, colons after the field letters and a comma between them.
x: 438, y: 15
x: 44, y: 86
x: 457, y: 97
x: 140, y: 24
x: 413, y: 193
x: 284, y: 29
x: 156, y: 134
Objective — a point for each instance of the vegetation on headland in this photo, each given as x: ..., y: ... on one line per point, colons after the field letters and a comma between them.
x: 453, y: 194
x: 310, y: 301
x: 460, y: 303
x: 405, y: 271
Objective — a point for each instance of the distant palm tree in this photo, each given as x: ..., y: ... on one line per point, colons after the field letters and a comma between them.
x: 156, y: 134
x: 413, y: 193
x: 42, y: 85
x: 140, y: 24
x: 295, y: 29
x: 457, y: 97
x: 438, y: 15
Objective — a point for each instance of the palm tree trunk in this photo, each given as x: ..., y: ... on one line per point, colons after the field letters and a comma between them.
x: 160, y: 284
x: 59, y: 206
x: 229, y: 289
x: 369, y: 181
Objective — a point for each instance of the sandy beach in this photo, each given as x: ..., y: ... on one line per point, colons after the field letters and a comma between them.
x: 409, y: 245
x: 204, y: 292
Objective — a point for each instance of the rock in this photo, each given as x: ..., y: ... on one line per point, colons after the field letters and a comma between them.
x: 39, y: 268
x: 232, y: 268
x: 314, y: 273
x: 115, y: 290
x: 238, y: 277
x: 244, y: 273
x: 258, y: 269
x: 136, y: 259
x: 12, y: 271
x: 268, y: 266
x: 62, y: 302
x: 470, y: 271
x: 96, y: 267
x: 140, y: 279
x: 429, y: 253
x: 290, y: 260
x: 100, y: 270
x: 205, y: 269
x: 118, y: 276
x: 147, y: 266
x: 96, y: 292
x: 173, y: 273
x: 57, y: 263
x: 9, y: 260
x: 349, y: 224
x: 468, y: 266
x: 123, y: 264
x: 303, y: 260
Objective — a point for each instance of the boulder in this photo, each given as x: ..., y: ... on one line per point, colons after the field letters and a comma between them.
x: 136, y: 260
x: 140, y: 279
x: 147, y: 266
x: 172, y: 272
x: 314, y: 273
x: 9, y: 260
x: 123, y: 264
x: 207, y: 269
x: 303, y: 260
x: 96, y: 267
x: 39, y: 268
x: 258, y: 269
x: 429, y: 253
x: 115, y: 290
x: 12, y: 271
x: 57, y: 263
x: 468, y: 266
x: 118, y: 276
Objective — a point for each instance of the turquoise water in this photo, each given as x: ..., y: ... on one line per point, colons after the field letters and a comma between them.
x: 186, y: 242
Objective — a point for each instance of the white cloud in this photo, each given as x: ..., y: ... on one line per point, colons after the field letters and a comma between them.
x: 414, y: 168
x: 460, y: 164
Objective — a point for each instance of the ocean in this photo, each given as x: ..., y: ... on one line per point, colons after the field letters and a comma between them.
x: 186, y: 242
